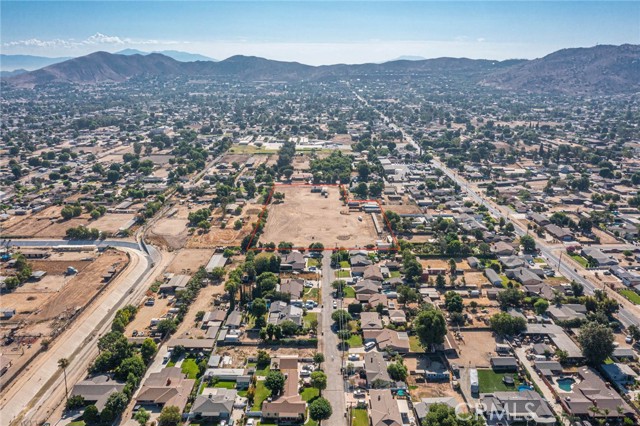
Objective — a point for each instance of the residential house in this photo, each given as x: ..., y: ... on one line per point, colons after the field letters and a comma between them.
x: 176, y: 283
x: 383, y: 409
x: 288, y: 407
x: 370, y: 321
x: 504, y: 363
x: 568, y: 312
x: 397, y: 317
x: 390, y: 339
x: 293, y: 261
x: 493, y: 277
x: 366, y: 288
x: 292, y: 286
x: 502, y: 249
x: 96, y: 390
x: 598, y: 256
x: 168, y: 387
x: 591, y: 396
x: 214, y: 404
x: 517, y: 407
x: 562, y: 234
x: 280, y: 311
x: 375, y: 368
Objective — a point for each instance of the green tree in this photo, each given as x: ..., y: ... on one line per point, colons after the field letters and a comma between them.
x: 430, y: 327
x: 320, y: 409
x: 528, y: 243
x: 506, y: 325
x: 397, y: 371
x: 453, y: 302
x: 258, y: 307
x: 148, y: 349
x: 275, y: 382
x: 341, y: 316
x: 169, y: 416
x: 91, y: 414
x: 142, y: 416
x: 63, y: 363
x: 541, y: 306
x: 166, y: 327
x: 318, y: 358
x: 596, y: 341
x: 319, y: 380
x: 511, y: 297
x: 443, y: 415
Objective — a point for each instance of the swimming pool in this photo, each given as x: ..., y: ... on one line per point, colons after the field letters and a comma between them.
x: 566, y: 383
x: 523, y: 388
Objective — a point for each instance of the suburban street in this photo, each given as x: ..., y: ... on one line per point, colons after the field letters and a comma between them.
x: 329, y: 347
x: 628, y: 314
x: 40, y: 389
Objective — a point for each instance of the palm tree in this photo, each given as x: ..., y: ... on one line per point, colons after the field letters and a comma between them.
x: 64, y: 363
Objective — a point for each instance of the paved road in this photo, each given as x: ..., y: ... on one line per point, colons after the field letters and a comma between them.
x: 329, y: 347
x: 629, y: 313
x: 39, y: 389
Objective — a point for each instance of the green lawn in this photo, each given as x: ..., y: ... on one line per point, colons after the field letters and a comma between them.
x: 395, y: 274
x: 539, y: 260
x: 355, y: 341
x: 311, y: 293
x: 262, y: 393
x: 349, y: 292
x: 414, y: 344
x: 581, y: 260
x: 263, y: 371
x: 505, y: 280
x: 313, y: 262
x: 190, y: 367
x: 360, y: 417
x: 309, y: 393
x: 78, y: 423
x: 631, y: 295
x: 491, y: 381
x: 308, y: 318
x: 345, y: 264
x: 243, y: 393
x: 226, y: 384
x: 343, y: 274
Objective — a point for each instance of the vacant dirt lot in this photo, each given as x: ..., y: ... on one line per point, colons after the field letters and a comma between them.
x: 228, y: 236
x: 476, y: 348
x: 112, y: 222
x: 305, y: 217
x: 58, y: 296
x: 189, y: 260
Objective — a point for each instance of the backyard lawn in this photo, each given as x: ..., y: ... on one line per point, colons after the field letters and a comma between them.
x: 491, y: 381
x: 226, y: 384
x: 345, y: 264
x: 414, y: 344
x: 190, y: 367
x: 309, y: 393
x: 262, y: 393
x: 360, y: 417
x: 631, y: 295
x: 395, y: 274
x: 263, y: 371
x: 313, y: 262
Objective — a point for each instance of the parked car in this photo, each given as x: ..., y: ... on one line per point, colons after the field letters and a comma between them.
x: 369, y: 345
x: 629, y: 339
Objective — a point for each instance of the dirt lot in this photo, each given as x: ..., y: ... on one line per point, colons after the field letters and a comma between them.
x: 239, y: 354
x: 112, y: 222
x: 217, y: 236
x: 189, y: 260
x: 57, y: 296
x: 476, y: 348
x: 305, y: 217
x: 145, y: 313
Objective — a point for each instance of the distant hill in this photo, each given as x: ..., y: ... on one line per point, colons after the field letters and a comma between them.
x: 601, y: 69
x: 4, y: 74
x: 27, y: 62
x: 409, y: 58
x: 175, y: 54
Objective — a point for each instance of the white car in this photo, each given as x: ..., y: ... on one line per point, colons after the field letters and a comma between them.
x: 629, y: 339
x: 354, y: 357
x: 335, y: 304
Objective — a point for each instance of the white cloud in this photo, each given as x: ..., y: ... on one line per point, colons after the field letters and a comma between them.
x: 98, y: 39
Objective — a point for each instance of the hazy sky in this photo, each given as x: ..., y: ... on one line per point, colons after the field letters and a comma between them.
x: 318, y: 32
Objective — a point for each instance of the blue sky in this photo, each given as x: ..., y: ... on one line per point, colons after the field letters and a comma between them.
x: 318, y: 32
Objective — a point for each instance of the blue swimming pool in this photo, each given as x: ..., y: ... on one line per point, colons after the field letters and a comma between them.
x: 523, y: 388
x: 565, y: 383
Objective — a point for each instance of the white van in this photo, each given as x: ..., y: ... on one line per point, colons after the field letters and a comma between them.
x: 369, y: 345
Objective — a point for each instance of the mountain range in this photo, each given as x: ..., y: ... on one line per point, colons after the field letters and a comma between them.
x: 594, y: 70
x: 175, y: 54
